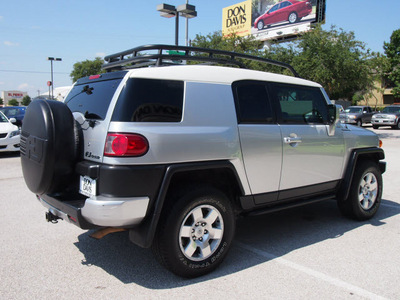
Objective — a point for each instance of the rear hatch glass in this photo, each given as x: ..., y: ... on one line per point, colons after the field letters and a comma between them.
x: 92, y: 97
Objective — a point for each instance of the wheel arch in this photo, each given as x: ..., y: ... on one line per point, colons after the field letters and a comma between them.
x: 178, y: 178
x: 357, y: 156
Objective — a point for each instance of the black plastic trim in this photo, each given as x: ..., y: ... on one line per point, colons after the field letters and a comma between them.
x: 345, y: 184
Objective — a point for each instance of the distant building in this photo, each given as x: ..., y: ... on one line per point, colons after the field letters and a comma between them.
x: 59, y: 93
x: 8, y: 95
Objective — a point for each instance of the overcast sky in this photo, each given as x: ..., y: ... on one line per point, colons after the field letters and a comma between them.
x: 31, y: 31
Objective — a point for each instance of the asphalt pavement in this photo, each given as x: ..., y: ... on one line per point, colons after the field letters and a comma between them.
x: 310, y: 252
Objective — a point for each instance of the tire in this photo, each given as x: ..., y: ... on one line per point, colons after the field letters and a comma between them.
x: 293, y: 18
x: 49, y: 146
x: 359, y: 123
x: 365, y: 192
x: 260, y: 25
x: 193, y: 237
x: 375, y: 126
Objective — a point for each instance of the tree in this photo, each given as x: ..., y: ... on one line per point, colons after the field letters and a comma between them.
x: 13, y: 102
x: 86, y: 68
x: 335, y: 60
x: 1, y: 101
x: 26, y: 100
x: 392, y: 51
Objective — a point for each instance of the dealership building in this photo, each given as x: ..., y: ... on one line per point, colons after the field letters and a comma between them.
x: 8, y: 95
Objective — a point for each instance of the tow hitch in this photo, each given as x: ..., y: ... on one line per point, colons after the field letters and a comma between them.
x: 51, y: 218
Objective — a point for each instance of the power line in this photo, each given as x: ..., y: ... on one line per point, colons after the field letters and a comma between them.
x: 37, y: 72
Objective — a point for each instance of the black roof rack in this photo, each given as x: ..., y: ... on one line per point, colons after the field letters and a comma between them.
x: 168, y: 54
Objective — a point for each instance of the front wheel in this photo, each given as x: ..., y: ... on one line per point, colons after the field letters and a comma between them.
x: 365, y: 192
x: 194, y: 237
x: 375, y: 126
x: 260, y: 25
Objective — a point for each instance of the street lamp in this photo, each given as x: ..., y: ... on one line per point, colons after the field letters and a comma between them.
x: 51, y: 82
x: 185, y: 10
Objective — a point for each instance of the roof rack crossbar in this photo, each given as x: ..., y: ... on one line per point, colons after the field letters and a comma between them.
x: 133, y: 57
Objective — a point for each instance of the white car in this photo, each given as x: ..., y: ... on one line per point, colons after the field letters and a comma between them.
x: 9, y: 134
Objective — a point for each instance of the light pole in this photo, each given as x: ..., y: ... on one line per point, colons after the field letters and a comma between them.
x: 185, y: 10
x: 52, y: 83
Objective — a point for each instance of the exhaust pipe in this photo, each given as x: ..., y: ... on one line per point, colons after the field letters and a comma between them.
x: 51, y: 218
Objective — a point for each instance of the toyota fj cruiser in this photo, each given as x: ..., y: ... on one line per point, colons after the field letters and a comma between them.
x: 175, y: 153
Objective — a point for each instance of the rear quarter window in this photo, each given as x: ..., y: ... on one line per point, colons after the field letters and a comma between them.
x: 150, y: 100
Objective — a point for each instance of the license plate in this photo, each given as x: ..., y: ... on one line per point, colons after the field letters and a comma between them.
x: 87, y: 186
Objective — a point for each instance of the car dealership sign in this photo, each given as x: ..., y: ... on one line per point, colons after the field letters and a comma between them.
x: 272, y: 19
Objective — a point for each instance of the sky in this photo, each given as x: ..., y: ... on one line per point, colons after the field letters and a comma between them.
x: 31, y: 31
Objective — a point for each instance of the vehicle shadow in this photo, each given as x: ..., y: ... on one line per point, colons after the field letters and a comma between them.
x: 276, y: 234
x: 9, y: 154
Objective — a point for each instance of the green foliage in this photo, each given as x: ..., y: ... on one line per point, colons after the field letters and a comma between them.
x: 86, y: 68
x: 335, y: 60
x: 13, y: 102
x: 1, y: 101
x: 26, y: 100
x: 341, y: 64
x: 392, y: 51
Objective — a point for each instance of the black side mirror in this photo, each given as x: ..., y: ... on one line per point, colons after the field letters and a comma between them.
x: 333, y: 112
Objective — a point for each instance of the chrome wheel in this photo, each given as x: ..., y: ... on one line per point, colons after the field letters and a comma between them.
x: 293, y: 17
x: 201, y: 232
x: 368, y: 191
x: 260, y: 25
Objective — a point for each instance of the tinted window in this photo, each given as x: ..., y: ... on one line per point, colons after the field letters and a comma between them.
x: 150, y: 100
x: 252, y: 103
x: 93, y: 98
x: 300, y: 105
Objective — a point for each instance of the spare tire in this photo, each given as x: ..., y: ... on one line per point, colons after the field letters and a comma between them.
x: 48, y: 146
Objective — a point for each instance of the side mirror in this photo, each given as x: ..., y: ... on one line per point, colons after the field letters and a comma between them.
x: 333, y: 114
x: 13, y: 120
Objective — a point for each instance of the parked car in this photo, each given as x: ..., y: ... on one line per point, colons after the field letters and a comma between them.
x: 174, y: 154
x: 9, y: 134
x: 289, y: 10
x: 357, y: 115
x: 389, y: 116
x: 16, y: 112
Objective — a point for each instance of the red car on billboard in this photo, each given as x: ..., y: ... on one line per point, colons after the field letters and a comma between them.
x: 288, y: 10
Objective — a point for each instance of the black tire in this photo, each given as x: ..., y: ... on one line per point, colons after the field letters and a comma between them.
x: 293, y: 18
x: 359, y: 123
x: 375, y: 126
x: 193, y: 237
x: 365, y: 192
x: 260, y: 25
x: 49, y: 146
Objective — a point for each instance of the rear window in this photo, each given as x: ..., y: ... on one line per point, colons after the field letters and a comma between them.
x: 150, y: 100
x: 92, y: 98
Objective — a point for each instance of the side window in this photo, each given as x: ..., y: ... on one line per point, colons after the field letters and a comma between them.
x: 252, y: 103
x: 300, y: 104
x: 150, y: 100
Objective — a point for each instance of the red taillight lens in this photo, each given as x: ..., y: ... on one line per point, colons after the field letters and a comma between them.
x: 91, y: 77
x: 125, y: 144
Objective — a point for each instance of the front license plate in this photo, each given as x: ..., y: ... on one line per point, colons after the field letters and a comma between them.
x: 87, y: 186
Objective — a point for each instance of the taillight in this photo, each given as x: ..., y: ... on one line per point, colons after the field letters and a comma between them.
x: 125, y: 144
x: 91, y: 77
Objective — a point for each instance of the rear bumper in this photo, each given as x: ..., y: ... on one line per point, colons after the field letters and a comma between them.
x: 99, y: 211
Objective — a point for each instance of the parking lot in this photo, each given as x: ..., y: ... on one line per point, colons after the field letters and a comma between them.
x: 310, y: 252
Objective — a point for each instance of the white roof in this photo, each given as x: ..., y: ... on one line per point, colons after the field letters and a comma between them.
x: 215, y: 74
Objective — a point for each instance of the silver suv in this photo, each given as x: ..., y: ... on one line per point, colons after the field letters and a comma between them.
x: 175, y: 153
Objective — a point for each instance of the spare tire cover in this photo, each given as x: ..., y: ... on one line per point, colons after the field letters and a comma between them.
x: 48, y: 146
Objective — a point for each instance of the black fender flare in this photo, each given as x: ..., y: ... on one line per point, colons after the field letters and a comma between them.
x: 143, y: 234
x: 374, y: 153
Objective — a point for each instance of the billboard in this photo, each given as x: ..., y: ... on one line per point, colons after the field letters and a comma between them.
x: 272, y: 19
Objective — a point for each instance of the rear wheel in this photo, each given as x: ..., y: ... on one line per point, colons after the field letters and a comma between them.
x: 365, y: 192
x: 260, y: 25
x: 292, y: 17
x: 194, y: 236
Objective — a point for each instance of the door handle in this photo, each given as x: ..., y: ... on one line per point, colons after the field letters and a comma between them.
x: 291, y: 140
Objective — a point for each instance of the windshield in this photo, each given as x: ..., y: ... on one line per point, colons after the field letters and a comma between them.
x: 13, y: 111
x: 3, y: 118
x: 391, y: 110
x: 354, y: 110
x: 93, y: 98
